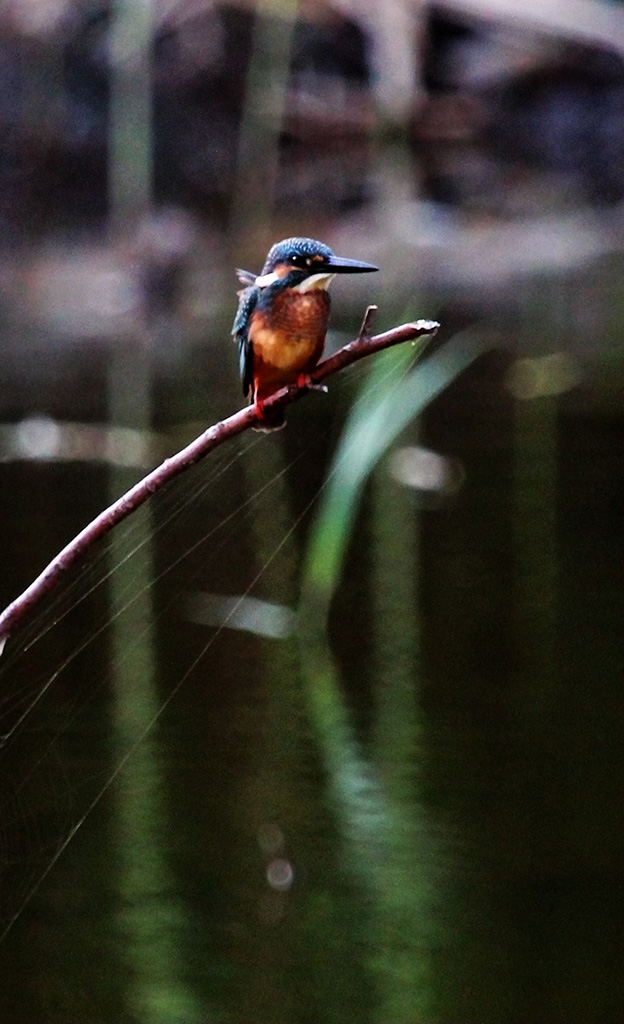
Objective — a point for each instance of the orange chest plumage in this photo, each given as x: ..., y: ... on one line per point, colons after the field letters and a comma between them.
x: 287, y: 336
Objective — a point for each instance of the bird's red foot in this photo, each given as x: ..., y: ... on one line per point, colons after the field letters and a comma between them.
x: 304, y: 382
x: 259, y: 407
x: 270, y: 419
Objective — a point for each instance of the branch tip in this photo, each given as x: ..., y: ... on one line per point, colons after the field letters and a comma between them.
x: 425, y: 326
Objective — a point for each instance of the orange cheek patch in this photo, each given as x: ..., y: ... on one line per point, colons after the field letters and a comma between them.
x: 282, y: 269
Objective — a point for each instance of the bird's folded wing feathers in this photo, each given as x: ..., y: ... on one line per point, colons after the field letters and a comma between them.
x: 248, y: 299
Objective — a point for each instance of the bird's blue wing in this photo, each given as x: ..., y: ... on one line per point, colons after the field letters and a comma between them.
x: 248, y: 299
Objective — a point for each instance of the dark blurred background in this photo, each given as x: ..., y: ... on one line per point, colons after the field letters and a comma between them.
x: 332, y: 730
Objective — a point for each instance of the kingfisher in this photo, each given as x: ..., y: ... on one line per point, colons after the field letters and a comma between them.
x: 282, y: 317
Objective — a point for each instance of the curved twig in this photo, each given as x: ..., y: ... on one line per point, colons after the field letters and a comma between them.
x: 363, y: 346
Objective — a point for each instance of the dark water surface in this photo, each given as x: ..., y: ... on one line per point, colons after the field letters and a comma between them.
x: 415, y: 819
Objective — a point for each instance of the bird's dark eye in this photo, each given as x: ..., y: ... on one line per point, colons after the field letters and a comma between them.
x: 298, y: 259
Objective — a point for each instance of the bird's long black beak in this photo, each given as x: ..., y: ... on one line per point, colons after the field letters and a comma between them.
x: 339, y: 265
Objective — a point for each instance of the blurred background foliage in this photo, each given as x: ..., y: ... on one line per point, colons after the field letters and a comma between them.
x: 331, y: 731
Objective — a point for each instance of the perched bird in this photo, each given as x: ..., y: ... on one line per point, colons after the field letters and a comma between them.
x: 282, y: 316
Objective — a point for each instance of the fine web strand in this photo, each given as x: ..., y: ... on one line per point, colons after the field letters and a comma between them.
x: 110, y: 617
x: 229, y: 524
x: 84, y: 581
x: 13, y: 698
x: 76, y: 707
x: 178, y: 507
x: 124, y: 758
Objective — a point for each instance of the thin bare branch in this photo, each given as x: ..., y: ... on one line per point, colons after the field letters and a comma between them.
x: 196, y: 450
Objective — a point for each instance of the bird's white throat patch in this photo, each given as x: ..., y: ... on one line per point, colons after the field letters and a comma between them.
x: 314, y: 283
x: 309, y: 284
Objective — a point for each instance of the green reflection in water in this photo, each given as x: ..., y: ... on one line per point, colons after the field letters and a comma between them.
x: 286, y: 970
x: 151, y: 919
x: 398, y: 748
x: 378, y: 812
x: 377, y: 846
x: 535, y: 480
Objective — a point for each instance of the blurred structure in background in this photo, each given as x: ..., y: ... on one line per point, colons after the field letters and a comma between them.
x: 56, y: 78
x: 533, y: 101
x: 460, y: 74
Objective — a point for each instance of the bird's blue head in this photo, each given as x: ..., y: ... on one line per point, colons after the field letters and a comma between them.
x: 305, y: 263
